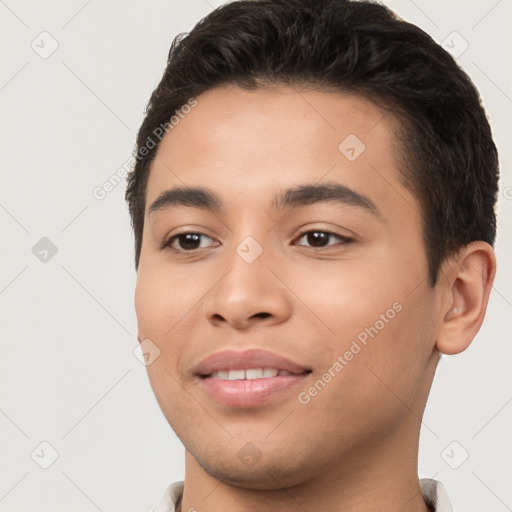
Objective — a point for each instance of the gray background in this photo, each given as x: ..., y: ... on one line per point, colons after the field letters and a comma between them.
x: 68, y: 373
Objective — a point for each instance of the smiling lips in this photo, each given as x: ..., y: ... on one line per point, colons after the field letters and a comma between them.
x: 248, y: 378
x: 249, y: 374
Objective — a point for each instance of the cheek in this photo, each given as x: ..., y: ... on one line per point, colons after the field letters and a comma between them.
x: 348, y: 296
x: 165, y: 303
x: 162, y: 299
x: 158, y: 310
x: 375, y: 382
x: 174, y: 401
x: 380, y: 319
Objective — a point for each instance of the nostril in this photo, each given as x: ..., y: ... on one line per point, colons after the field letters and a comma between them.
x: 262, y: 315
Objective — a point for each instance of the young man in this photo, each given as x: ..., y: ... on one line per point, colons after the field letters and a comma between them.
x: 313, y: 207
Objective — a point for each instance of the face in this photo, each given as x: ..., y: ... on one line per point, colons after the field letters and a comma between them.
x: 334, y: 279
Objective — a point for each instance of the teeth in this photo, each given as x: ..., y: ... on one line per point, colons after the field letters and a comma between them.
x: 255, y: 373
x: 252, y: 373
x: 236, y: 374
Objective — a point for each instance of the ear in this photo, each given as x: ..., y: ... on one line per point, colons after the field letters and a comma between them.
x: 467, y: 280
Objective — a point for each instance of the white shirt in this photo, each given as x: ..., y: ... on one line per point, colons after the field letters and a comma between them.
x: 432, y: 490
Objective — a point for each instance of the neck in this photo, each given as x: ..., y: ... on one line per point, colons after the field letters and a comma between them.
x: 381, y: 476
x: 371, y: 485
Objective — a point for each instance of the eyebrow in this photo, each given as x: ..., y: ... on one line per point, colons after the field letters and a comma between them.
x: 301, y: 195
x: 197, y: 197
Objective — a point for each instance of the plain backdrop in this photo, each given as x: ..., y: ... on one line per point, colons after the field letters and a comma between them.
x: 75, y: 78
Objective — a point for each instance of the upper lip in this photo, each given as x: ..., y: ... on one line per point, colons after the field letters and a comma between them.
x: 226, y: 360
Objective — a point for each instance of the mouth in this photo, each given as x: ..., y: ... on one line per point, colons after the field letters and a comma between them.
x: 241, y: 392
x: 249, y: 378
x: 251, y: 374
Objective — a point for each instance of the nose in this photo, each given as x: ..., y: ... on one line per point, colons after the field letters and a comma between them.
x: 249, y: 294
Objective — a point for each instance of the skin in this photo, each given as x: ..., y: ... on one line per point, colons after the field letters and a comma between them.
x: 354, y: 445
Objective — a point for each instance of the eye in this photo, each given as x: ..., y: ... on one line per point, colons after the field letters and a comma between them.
x: 187, y: 241
x: 320, y: 239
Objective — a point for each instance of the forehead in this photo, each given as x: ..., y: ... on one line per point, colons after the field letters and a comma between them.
x: 235, y: 141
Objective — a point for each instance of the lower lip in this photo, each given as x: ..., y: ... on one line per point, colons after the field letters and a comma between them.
x: 248, y: 393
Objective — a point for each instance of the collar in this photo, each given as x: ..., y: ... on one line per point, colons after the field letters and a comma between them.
x: 433, y: 492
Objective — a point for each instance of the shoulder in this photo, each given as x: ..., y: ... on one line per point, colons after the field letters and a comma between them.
x: 435, y: 495
x: 169, y: 498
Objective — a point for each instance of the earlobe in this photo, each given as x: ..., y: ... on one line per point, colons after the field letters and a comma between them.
x: 468, y: 284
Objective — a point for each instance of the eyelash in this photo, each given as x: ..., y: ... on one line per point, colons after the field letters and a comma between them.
x: 169, y: 241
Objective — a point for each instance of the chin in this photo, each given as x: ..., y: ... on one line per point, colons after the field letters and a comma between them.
x: 262, y: 475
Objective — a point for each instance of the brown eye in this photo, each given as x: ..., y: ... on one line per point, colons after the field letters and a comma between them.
x: 187, y: 241
x: 321, y: 238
